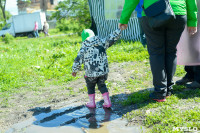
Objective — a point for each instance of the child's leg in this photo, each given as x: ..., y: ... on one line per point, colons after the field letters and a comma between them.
x: 104, y: 90
x: 101, y: 84
x: 91, y: 82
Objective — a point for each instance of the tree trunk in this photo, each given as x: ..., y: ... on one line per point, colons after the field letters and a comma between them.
x: 2, y: 6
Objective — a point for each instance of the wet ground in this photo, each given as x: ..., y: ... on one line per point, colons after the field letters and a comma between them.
x: 76, y: 118
x: 52, y: 110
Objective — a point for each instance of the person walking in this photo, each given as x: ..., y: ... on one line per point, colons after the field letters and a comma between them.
x: 46, y: 29
x: 36, y: 29
x: 162, y: 42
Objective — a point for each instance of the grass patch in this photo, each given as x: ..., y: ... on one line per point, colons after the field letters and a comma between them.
x: 28, y: 64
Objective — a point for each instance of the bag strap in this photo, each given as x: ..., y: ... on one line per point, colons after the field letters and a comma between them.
x: 156, y: 8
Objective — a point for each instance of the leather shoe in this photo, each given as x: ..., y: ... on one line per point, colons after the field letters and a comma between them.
x: 193, y: 85
x: 183, y: 81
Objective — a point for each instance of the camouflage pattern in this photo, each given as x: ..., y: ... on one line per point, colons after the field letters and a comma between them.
x: 93, y: 55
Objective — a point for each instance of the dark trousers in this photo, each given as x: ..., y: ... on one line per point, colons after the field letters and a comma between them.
x: 142, y: 35
x: 161, y: 44
x: 100, y: 81
x: 193, y: 72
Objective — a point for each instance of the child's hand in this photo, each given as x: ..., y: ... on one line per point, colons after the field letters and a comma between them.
x: 74, y: 74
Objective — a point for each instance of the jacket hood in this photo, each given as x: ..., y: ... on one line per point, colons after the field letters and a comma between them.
x: 86, y: 33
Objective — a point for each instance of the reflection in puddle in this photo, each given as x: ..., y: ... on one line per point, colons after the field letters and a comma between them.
x: 74, y: 119
x: 79, y: 116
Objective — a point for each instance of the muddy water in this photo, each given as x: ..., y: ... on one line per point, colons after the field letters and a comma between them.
x: 74, y: 119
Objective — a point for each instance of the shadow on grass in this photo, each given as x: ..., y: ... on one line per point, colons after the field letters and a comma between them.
x: 81, y: 116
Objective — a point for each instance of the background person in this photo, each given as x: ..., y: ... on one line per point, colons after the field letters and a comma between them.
x: 36, y: 29
x: 46, y: 29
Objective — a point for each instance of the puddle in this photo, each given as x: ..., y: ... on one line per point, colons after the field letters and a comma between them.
x: 74, y: 119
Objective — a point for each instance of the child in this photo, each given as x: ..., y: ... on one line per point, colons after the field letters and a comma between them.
x: 93, y: 55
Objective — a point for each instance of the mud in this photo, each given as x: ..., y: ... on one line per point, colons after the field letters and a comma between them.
x: 51, y: 108
x: 76, y: 118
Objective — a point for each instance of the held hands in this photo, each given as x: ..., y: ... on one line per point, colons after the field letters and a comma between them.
x: 73, y: 74
x: 122, y: 26
x: 192, y: 30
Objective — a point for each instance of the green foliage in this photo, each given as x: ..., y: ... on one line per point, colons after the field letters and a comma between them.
x: 37, y: 60
x: 68, y: 25
x: 166, y: 118
x: 24, y: 3
x: 8, y: 38
x: 2, y: 21
x: 33, y: 62
x: 73, y: 13
x: 137, y: 97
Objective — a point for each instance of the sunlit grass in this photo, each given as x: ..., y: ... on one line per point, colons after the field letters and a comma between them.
x: 31, y: 63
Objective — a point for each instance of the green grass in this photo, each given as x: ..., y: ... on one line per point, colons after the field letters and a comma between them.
x: 180, y: 110
x: 32, y: 63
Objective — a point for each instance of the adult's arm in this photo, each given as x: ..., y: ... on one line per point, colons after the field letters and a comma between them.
x: 191, y: 7
x: 129, y: 6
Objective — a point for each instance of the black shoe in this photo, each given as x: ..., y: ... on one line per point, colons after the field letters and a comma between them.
x: 193, y: 85
x: 157, y: 98
x: 183, y: 81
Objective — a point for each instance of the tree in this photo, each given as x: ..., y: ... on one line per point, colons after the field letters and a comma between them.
x: 23, y: 4
x: 2, y: 6
x: 75, y: 10
x: 2, y: 20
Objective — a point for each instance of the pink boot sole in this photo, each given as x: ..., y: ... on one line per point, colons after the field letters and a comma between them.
x: 107, y: 106
x: 90, y: 106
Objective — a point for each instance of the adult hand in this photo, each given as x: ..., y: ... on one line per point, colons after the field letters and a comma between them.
x: 192, y: 30
x: 74, y: 74
x: 123, y: 26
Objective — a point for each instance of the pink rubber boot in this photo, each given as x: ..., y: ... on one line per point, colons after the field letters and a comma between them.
x: 107, y: 102
x: 91, y: 103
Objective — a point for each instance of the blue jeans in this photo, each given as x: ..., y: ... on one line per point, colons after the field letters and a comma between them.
x: 36, y: 33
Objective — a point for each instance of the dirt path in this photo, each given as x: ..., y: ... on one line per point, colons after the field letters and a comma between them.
x: 20, y: 106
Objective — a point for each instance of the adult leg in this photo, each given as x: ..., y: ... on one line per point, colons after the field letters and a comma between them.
x: 37, y: 34
x: 189, y: 76
x: 196, y: 83
x: 142, y: 35
x: 173, y: 33
x: 197, y: 74
x: 189, y: 72
x: 156, y: 48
